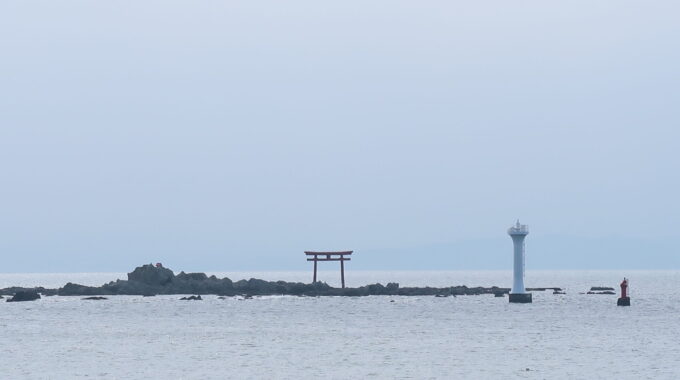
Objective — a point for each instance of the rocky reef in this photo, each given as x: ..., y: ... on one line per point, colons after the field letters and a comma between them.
x: 601, y: 290
x: 149, y: 280
x: 24, y: 295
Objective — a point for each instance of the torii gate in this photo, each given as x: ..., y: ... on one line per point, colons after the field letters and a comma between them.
x: 330, y: 256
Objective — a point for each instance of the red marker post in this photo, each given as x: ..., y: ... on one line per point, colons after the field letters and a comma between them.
x: 624, y: 300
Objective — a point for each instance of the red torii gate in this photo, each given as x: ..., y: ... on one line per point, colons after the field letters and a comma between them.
x: 330, y: 256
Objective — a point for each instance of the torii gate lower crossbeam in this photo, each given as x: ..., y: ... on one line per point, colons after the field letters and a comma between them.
x: 330, y: 256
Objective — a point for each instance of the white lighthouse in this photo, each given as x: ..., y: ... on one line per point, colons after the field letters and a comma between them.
x: 518, y: 294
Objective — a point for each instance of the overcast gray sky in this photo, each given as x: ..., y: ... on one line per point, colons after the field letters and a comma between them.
x: 229, y: 135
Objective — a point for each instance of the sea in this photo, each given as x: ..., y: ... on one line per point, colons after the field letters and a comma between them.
x: 569, y: 336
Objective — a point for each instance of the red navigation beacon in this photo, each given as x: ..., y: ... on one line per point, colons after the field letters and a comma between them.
x: 624, y: 300
x: 624, y: 287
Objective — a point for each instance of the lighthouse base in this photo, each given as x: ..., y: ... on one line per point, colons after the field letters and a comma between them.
x: 623, y: 301
x: 520, y: 297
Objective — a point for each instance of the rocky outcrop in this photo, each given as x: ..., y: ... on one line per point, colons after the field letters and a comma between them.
x: 192, y: 298
x: 15, y: 289
x: 600, y: 288
x: 192, y: 276
x: 151, y: 275
x: 24, y: 295
x: 198, y: 283
x: 149, y: 280
x: 95, y: 298
x: 71, y: 289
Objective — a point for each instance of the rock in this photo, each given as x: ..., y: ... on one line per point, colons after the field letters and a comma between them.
x: 95, y: 298
x: 377, y: 289
x: 151, y: 275
x: 192, y: 298
x: 121, y: 287
x: 299, y: 289
x: 607, y: 292
x: 71, y: 289
x: 600, y: 288
x: 543, y: 289
x: 38, y: 289
x: 199, y: 283
x: 194, y: 276
x: 26, y: 295
x: 260, y: 287
x: 150, y: 280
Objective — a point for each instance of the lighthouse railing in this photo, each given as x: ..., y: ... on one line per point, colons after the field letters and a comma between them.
x: 521, y: 229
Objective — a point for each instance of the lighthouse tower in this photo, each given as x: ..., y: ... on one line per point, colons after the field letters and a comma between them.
x: 518, y: 294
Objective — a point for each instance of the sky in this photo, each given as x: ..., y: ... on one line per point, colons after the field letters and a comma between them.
x: 234, y: 135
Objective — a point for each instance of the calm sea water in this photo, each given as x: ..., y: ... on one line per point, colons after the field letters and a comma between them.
x: 572, y: 336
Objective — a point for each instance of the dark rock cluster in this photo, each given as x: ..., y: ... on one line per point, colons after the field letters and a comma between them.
x: 151, y: 275
x: 192, y: 298
x: 149, y: 280
x: 40, y: 290
x: 24, y: 295
x: 601, y: 290
x: 543, y: 289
